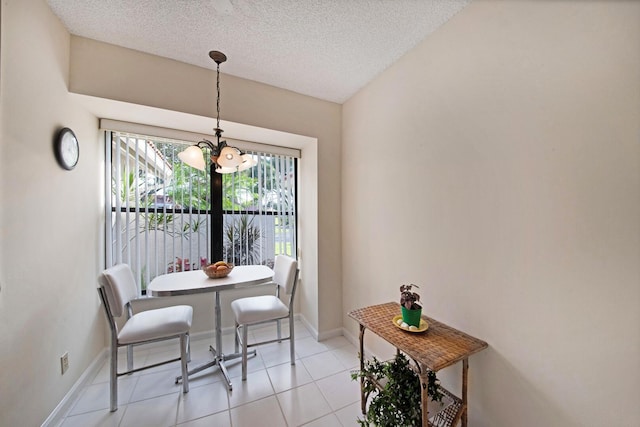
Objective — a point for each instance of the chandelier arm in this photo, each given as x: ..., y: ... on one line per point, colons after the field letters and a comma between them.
x: 208, y: 144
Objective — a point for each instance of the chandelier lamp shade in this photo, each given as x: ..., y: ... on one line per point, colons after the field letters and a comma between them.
x: 227, y: 159
x: 224, y: 158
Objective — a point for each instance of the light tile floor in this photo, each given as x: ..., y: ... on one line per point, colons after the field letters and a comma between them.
x: 315, y: 392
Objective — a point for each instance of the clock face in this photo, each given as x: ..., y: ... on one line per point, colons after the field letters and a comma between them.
x: 67, y: 149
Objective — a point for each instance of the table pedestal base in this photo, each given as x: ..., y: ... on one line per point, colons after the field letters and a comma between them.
x: 219, y: 361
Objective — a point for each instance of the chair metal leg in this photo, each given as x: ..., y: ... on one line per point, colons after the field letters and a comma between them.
x: 237, y: 342
x: 188, y: 347
x: 129, y: 357
x: 279, y: 330
x: 113, y: 377
x: 292, y: 340
x: 184, y: 351
x: 244, y: 351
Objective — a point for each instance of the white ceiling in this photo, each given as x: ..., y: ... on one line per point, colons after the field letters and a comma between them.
x: 327, y: 49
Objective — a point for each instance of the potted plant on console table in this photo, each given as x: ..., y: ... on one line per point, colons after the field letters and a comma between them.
x: 411, y: 308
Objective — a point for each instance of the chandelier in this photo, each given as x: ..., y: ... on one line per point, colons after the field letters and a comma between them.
x: 225, y: 158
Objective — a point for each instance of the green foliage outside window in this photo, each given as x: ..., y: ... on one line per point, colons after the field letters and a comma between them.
x: 242, y: 241
x: 154, y: 191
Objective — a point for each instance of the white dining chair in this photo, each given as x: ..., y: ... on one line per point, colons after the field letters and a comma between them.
x: 256, y: 310
x: 117, y: 289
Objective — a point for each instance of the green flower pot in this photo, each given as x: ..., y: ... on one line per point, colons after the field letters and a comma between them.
x: 411, y: 317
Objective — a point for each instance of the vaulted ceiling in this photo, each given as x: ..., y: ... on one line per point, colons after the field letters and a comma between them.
x: 327, y: 49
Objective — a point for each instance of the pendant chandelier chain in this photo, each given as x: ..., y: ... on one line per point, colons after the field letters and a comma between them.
x: 218, y: 101
x: 224, y: 158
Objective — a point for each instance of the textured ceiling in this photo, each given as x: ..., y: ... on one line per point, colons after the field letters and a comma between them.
x: 327, y: 49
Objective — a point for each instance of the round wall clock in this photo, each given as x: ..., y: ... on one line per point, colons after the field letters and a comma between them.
x: 67, y: 149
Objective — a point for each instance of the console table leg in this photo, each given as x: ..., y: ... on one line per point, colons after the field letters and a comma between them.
x: 424, y: 395
x: 363, y: 399
x: 465, y: 373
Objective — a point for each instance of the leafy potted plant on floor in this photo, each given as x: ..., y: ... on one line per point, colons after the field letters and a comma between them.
x: 411, y: 308
x: 396, y: 388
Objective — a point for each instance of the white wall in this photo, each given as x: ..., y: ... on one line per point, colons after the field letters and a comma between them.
x: 517, y: 214
x: 497, y: 166
x: 115, y: 73
x: 51, y: 231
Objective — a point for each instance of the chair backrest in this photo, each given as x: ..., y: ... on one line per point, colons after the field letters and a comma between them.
x: 119, y: 287
x: 284, y: 272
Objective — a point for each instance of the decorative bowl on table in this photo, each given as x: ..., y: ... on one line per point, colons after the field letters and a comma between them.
x: 397, y: 320
x: 218, y: 269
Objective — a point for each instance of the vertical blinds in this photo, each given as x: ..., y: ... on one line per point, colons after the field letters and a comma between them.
x: 158, y: 209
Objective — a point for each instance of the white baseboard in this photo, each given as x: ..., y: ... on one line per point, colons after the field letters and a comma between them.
x: 227, y: 330
x: 350, y: 337
x: 353, y: 339
x: 330, y: 334
x: 56, y: 417
x: 313, y: 331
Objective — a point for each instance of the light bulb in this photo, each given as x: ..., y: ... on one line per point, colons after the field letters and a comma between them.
x: 229, y: 157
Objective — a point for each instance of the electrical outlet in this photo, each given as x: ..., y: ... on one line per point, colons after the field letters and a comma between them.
x: 64, y: 362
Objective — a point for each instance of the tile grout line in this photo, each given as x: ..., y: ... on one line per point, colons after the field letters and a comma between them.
x: 333, y: 349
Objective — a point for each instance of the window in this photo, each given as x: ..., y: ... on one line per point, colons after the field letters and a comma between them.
x: 158, y: 209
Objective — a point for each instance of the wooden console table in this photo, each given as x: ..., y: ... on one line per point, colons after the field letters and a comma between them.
x: 438, y: 347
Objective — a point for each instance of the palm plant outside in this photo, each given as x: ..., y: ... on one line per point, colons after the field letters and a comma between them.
x: 242, y: 241
x: 188, y: 187
x: 184, y: 190
x: 153, y: 221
